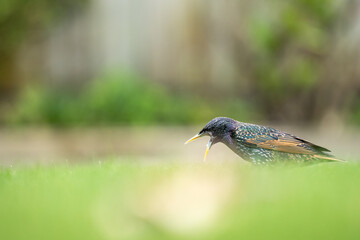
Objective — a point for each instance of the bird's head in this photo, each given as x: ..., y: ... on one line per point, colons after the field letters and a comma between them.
x: 219, y: 130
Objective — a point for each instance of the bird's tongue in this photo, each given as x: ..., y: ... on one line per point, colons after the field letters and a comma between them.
x: 208, y: 146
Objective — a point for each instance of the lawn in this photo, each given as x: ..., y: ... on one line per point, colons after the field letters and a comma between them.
x: 130, y: 199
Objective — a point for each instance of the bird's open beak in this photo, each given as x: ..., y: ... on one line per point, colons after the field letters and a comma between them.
x: 208, y: 146
x: 193, y: 138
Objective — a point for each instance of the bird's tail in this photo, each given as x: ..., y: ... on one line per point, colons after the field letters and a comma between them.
x: 330, y: 158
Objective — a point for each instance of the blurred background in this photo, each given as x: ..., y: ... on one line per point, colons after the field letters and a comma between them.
x: 82, y: 79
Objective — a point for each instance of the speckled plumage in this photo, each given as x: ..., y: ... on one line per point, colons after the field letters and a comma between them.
x: 262, y: 145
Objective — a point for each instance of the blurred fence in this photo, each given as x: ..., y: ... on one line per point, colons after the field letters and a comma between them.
x: 288, y: 61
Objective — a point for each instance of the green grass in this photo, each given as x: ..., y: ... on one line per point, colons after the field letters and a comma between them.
x: 141, y: 200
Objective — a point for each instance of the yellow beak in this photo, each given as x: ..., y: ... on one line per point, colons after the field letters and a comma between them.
x: 207, y: 146
x: 193, y: 138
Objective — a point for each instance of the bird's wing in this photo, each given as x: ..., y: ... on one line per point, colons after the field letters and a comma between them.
x: 288, y: 144
x: 273, y: 139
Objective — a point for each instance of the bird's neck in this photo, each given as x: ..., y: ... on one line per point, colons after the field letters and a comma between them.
x: 231, y: 143
x: 228, y: 141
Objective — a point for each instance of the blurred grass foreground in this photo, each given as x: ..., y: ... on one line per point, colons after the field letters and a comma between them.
x: 132, y: 200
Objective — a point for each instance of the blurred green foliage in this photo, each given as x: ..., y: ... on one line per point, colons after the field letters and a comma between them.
x: 290, y: 44
x: 119, y: 98
x: 355, y: 116
x: 286, y: 56
x: 133, y: 200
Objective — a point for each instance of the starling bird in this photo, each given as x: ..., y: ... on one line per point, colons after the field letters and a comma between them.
x: 260, y: 144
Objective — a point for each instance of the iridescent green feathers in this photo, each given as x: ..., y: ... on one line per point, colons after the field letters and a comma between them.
x: 269, y: 138
x: 262, y: 145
